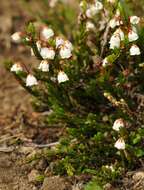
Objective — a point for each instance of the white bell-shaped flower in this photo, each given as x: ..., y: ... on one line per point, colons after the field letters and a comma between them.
x: 113, y: 23
x: 118, y: 124
x: 65, y: 52
x: 90, y: 26
x: 31, y: 80
x: 134, y: 19
x: 132, y: 36
x: 46, y: 33
x: 105, y: 62
x: 68, y: 44
x: 114, y: 42
x: 44, y: 66
x: 62, y: 77
x: 120, y: 144
x: 135, y: 50
x: 91, y: 11
x: 16, y: 37
x: 98, y: 5
x: 47, y: 53
x: 16, y: 67
x: 120, y: 33
x: 59, y: 42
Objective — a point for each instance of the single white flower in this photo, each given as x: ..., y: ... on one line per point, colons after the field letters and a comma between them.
x: 46, y: 33
x: 31, y: 80
x: 118, y: 124
x: 91, y: 11
x: 16, y: 37
x: 62, y: 77
x: 90, y: 26
x: 120, y: 33
x: 114, y: 42
x: 134, y: 20
x: 105, y: 62
x: 98, y: 5
x: 16, y: 67
x: 120, y: 144
x: 47, y: 53
x: 116, y: 21
x: 132, y: 36
x: 44, y: 66
x: 59, y: 41
x: 65, y: 52
x: 135, y: 50
x: 68, y: 44
x: 113, y: 23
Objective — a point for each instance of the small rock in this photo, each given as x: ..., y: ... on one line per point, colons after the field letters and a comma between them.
x: 26, y: 150
x: 32, y: 175
x: 138, y: 176
x: 54, y: 183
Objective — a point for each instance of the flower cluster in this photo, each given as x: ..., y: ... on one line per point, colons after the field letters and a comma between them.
x: 62, y: 49
x: 119, y: 35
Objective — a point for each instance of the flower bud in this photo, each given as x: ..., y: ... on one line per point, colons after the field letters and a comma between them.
x: 44, y: 66
x: 31, y: 80
x: 62, y: 77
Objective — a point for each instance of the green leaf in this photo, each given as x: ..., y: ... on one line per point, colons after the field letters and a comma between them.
x: 93, y: 185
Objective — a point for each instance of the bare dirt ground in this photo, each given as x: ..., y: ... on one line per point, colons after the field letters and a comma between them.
x: 20, y: 127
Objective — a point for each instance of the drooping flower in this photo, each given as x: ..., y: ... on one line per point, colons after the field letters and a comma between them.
x: 44, y: 66
x: 68, y: 44
x: 120, y: 144
x: 16, y: 67
x: 31, y: 80
x: 16, y: 37
x: 46, y: 33
x: 114, y: 42
x: 105, y: 62
x: 59, y: 41
x: 120, y: 33
x: 135, y: 50
x: 90, y: 26
x: 62, y: 77
x: 116, y: 21
x: 65, y: 52
x: 134, y: 19
x: 118, y: 124
x: 98, y: 5
x: 94, y: 9
x: 132, y: 36
x: 47, y: 53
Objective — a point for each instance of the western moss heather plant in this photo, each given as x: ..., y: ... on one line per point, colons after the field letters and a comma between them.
x: 93, y: 85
